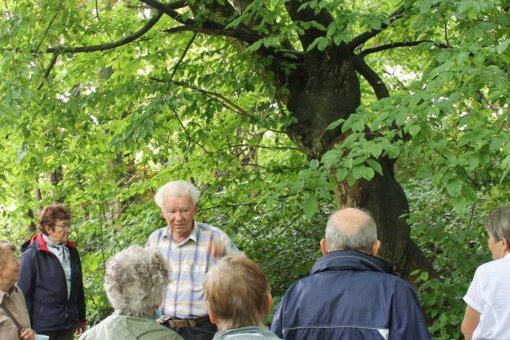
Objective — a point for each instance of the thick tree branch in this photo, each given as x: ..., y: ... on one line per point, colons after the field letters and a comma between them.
x: 365, y: 36
x: 395, y: 45
x: 242, y: 33
x: 168, y: 9
x: 376, y: 82
x: 108, y: 46
x: 263, y: 147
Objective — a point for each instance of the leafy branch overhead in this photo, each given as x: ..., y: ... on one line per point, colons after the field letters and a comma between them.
x: 243, y: 21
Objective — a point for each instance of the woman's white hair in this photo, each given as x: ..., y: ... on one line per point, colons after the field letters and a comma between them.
x: 178, y: 188
x: 135, y: 280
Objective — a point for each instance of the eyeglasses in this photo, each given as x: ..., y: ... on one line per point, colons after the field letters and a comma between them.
x: 183, y: 210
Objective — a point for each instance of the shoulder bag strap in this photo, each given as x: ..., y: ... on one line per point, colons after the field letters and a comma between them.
x: 9, y: 314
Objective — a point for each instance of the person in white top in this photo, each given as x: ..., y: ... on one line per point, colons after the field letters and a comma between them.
x: 488, y: 297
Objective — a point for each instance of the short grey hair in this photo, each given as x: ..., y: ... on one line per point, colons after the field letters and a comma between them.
x: 5, y: 247
x: 135, y: 280
x: 362, y: 240
x: 498, y: 223
x: 178, y: 188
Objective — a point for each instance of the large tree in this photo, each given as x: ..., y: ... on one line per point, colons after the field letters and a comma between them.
x: 354, y: 86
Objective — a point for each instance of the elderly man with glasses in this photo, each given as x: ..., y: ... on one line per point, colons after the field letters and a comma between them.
x: 191, y: 248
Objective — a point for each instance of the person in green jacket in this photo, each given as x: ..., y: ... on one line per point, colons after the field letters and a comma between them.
x: 135, y: 280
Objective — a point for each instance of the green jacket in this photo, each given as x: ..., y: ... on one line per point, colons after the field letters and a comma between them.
x: 125, y: 327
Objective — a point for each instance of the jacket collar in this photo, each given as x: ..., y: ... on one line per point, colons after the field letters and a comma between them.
x: 40, y: 243
x: 351, y: 260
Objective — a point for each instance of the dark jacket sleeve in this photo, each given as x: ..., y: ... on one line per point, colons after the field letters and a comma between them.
x: 82, y: 314
x: 276, y: 324
x: 27, y: 277
x: 407, y: 317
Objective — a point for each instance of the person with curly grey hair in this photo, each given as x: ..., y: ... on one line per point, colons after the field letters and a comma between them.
x: 487, y: 313
x: 135, y: 280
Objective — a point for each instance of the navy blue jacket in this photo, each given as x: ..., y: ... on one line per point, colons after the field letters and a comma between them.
x: 42, y: 280
x: 350, y: 295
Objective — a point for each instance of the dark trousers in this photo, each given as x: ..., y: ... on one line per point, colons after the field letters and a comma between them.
x: 205, y: 330
x: 65, y: 334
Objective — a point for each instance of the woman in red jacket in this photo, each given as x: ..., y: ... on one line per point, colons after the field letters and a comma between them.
x: 51, y: 277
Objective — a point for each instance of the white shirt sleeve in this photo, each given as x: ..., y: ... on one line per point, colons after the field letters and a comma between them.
x: 473, y: 296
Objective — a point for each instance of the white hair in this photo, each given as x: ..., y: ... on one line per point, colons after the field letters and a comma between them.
x: 498, y: 223
x: 361, y: 240
x: 178, y: 188
x: 135, y: 280
x: 6, y: 248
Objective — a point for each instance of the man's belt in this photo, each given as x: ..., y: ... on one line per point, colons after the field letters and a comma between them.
x: 185, y: 323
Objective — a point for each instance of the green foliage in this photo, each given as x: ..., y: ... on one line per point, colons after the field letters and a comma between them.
x: 456, y: 244
x: 101, y: 130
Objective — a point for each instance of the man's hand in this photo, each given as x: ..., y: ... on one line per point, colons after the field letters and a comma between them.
x: 82, y: 327
x: 216, y: 248
x: 27, y: 334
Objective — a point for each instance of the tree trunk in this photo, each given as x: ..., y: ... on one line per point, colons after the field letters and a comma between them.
x: 325, y: 88
x: 386, y: 201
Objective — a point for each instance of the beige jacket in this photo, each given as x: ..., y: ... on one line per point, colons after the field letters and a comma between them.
x: 15, y: 303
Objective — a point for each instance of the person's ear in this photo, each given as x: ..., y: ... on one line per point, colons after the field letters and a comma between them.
x: 376, y: 246
x: 324, y: 246
x: 213, y: 317
x: 506, y: 245
x: 268, y: 303
x: 47, y: 228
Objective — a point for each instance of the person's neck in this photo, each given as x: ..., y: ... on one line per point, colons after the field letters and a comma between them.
x: 225, y: 326
x: 49, y: 240
x: 178, y: 238
x: 149, y: 313
x: 6, y: 286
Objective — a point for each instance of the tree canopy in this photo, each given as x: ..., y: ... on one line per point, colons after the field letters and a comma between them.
x: 279, y: 110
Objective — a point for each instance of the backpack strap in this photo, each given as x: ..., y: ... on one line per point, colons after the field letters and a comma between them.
x: 9, y: 314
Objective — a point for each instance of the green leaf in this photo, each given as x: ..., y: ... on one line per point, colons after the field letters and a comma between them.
x: 375, y: 165
x: 424, y: 171
x: 414, y: 130
x: 460, y: 204
x: 255, y: 46
x: 335, y: 124
x: 375, y: 149
x: 330, y: 158
x: 501, y: 48
x: 310, y: 206
x: 363, y: 172
x: 454, y: 187
x: 341, y: 173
